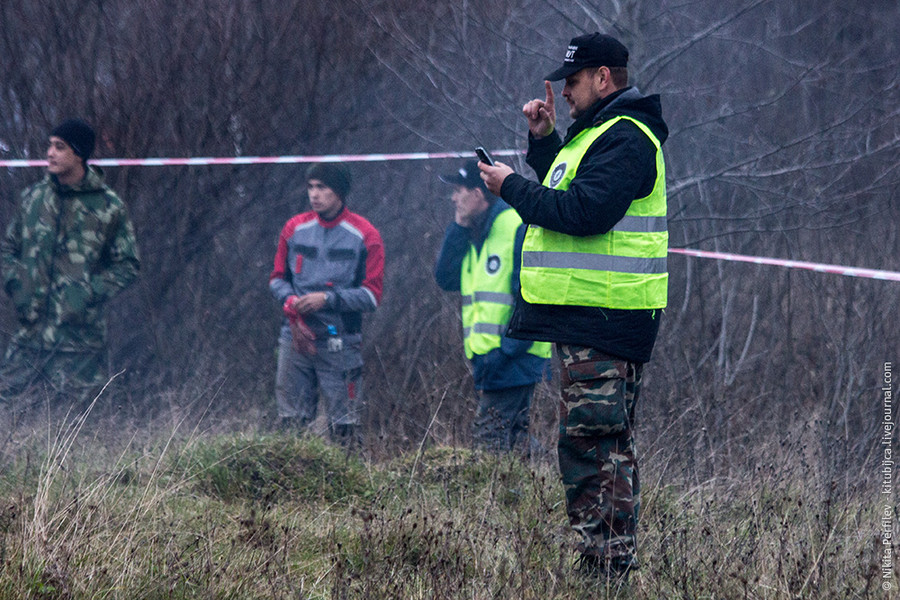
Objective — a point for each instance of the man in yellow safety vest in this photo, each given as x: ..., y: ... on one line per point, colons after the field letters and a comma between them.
x: 480, y: 259
x: 594, y: 279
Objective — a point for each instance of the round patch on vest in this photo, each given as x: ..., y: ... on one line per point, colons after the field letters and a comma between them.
x: 557, y: 175
x: 492, y: 265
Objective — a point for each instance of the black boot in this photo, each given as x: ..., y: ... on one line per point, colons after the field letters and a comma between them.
x: 346, y: 436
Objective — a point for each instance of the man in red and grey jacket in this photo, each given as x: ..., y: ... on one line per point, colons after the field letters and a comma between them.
x: 329, y: 269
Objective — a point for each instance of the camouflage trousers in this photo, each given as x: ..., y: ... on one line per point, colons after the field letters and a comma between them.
x: 72, y: 376
x: 597, y: 458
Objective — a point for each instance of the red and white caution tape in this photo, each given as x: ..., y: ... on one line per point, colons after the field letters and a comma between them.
x: 262, y: 160
x: 275, y: 160
x: 792, y: 264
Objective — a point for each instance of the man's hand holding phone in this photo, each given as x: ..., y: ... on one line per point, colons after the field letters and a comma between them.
x: 483, y: 156
x: 492, y: 173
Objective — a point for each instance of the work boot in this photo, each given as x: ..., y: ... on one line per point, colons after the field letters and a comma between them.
x: 346, y: 436
x: 614, y: 569
x: 293, y: 425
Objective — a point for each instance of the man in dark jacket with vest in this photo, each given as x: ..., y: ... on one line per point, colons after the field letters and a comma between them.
x: 480, y: 258
x: 594, y: 278
x: 69, y: 248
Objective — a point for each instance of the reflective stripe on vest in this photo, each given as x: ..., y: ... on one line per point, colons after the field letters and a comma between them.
x: 485, y: 328
x: 642, y: 224
x: 623, y: 268
x: 486, y: 286
x: 593, y: 262
x: 496, y: 297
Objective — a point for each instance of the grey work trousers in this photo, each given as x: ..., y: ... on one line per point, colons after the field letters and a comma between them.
x: 336, y: 374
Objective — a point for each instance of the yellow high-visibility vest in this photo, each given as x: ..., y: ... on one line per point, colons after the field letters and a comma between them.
x: 624, y: 268
x: 487, y: 293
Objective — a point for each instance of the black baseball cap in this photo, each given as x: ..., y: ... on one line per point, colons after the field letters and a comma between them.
x: 591, y: 50
x: 468, y: 175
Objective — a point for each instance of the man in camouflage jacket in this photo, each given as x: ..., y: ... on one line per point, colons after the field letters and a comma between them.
x: 69, y: 248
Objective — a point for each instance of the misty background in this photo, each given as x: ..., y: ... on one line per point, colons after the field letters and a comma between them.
x: 784, y: 137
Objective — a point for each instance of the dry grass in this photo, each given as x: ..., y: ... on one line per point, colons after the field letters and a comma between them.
x: 88, y: 513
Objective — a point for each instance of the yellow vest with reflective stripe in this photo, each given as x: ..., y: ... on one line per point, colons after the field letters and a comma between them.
x: 624, y: 268
x: 485, y: 283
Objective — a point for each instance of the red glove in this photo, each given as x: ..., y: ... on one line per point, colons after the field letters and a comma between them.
x: 304, y: 340
x: 288, y: 307
x: 303, y: 337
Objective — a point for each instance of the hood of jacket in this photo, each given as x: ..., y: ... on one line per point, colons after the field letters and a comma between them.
x: 93, y: 181
x: 628, y: 102
x: 485, y: 221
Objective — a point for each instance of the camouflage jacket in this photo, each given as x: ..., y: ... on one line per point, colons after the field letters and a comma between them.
x: 67, y: 251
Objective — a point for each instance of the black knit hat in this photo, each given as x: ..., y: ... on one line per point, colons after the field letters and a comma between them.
x: 591, y: 50
x: 77, y: 134
x: 333, y: 174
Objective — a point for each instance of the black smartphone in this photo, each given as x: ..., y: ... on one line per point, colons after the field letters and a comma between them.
x: 483, y: 156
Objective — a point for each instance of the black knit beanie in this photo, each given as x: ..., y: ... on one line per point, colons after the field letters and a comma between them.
x: 77, y: 134
x: 333, y: 174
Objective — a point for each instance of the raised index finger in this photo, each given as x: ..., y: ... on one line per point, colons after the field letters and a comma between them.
x: 549, y: 102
